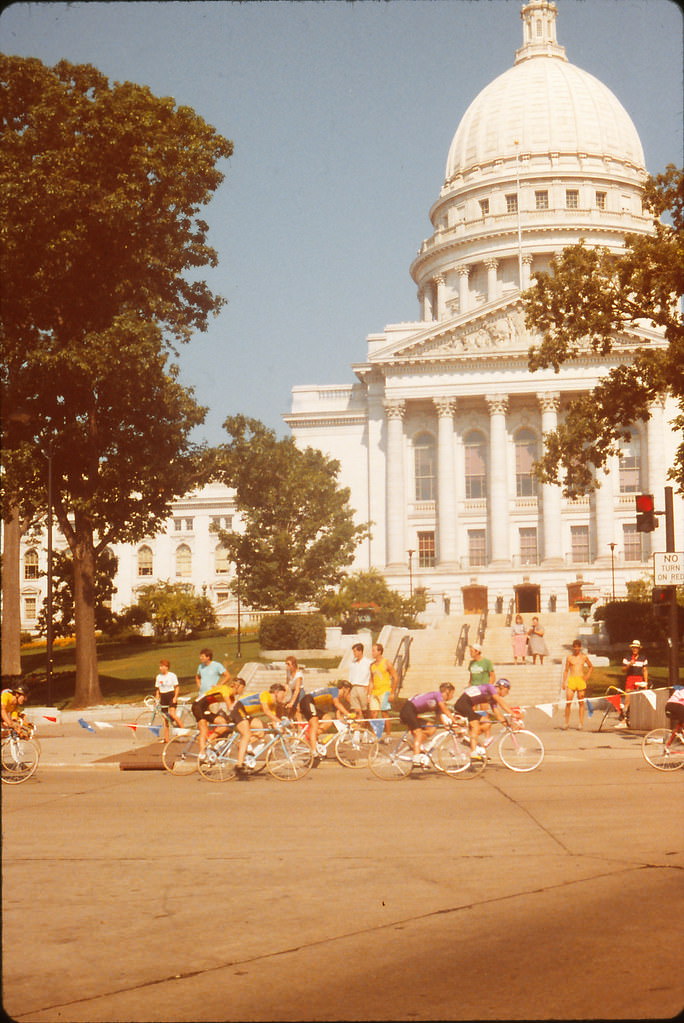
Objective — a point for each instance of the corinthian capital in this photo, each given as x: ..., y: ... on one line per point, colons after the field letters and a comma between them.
x: 549, y: 401
x: 497, y: 403
x: 395, y: 408
x: 445, y: 407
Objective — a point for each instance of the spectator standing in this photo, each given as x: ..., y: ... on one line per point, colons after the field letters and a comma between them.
x: 360, y: 678
x: 519, y: 640
x: 536, y: 642
x: 480, y: 669
x: 384, y: 688
x: 294, y: 680
x: 210, y: 673
x: 576, y: 673
x: 636, y: 677
x: 167, y: 689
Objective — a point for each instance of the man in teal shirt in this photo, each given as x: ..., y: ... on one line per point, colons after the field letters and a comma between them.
x: 210, y: 673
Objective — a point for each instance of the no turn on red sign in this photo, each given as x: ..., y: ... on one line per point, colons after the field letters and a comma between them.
x: 668, y: 568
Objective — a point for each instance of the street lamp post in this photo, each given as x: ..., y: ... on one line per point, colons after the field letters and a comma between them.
x: 612, y: 565
x: 48, y: 596
x: 410, y: 559
x: 239, y: 638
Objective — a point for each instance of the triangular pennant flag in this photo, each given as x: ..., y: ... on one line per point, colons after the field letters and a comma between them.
x: 615, y: 700
x: 546, y: 708
x: 378, y: 726
x: 49, y: 718
x: 590, y: 707
x: 129, y: 725
x: 84, y: 724
x: 651, y: 697
x: 103, y: 724
x: 155, y: 729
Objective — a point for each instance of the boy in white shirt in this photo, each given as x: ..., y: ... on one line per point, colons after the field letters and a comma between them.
x: 166, y: 694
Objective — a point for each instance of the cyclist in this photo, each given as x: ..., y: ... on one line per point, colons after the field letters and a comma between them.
x: 433, y: 701
x: 323, y: 701
x: 12, y: 700
x: 674, y: 708
x: 271, y: 703
x: 205, y: 712
x: 475, y: 703
x: 167, y: 689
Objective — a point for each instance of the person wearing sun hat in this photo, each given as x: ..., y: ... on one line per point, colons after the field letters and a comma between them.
x: 480, y: 669
x: 636, y: 677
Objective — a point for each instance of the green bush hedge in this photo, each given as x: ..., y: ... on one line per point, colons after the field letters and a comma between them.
x: 292, y: 632
x: 630, y: 619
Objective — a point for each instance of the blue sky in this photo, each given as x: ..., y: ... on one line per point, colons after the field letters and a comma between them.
x: 341, y: 115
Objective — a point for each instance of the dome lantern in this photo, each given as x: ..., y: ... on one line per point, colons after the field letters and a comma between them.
x: 539, y: 31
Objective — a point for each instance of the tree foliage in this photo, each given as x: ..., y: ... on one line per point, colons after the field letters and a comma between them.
x: 588, y: 303
x: 174, y: 610
x: 370, y: 590
x: 63, y: 614
x: 101, y: 185
x: 298, y: 529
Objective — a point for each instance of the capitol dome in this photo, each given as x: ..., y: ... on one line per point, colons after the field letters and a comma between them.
x: 543, y: 104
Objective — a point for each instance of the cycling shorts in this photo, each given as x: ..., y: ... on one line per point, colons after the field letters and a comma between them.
x: 201, y: 711
x: 409, y: 716
x: 307, y: 707
x: 675, y: 711
x: 467, y: 709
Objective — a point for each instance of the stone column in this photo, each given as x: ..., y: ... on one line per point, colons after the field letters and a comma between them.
x: 492, y: 283
x: 526, y: 272
x: 551, y: 493
x: 604, y: 515
x: 656, y: 474
x: 498, y: 480
x: 396, y: 495
x: 440, y: 296
x: 446, y: 485
x: 463, y: 275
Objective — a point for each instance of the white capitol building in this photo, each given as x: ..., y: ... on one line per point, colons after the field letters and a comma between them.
x: 437, y: 435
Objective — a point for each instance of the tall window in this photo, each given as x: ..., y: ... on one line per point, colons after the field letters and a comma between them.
x: 475, y: 466
x: 477, y: 548
x: 632, y: 542
x: 183, y: 561
x: 221, y: 563
x: 541, y: 200
x: 425, y: 463
x: 31, y: 564
x: 579, y: 544
x: 630, y: 465
x: 525, y: 457
x: 601, y: 200
x: 484, y: 207
x: 222, y: 522
x: 145, y: 563
x: 511, y: 203
x: 528, y: 545
x: 30, y: 609
x: 571, y: 199
x: 426, y: 550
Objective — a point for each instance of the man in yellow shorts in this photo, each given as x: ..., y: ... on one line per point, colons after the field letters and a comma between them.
x: 576, y: 674
x: 384, y: 682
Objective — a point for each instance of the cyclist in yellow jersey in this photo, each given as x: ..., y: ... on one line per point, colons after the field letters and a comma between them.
x: 270, y: 702
x: 323, y: 701
x: 12, y: 701
x: 202, y: 708
x: 384, y: 680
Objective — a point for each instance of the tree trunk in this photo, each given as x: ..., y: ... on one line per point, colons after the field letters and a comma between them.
x: 11, y: 598
x: 87, y: 691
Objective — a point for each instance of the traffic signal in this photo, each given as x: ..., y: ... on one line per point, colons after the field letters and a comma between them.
x: 646, y: 520
x: 662, y: 597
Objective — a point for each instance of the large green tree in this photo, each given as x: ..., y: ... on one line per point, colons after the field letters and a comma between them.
x: 298, y: 531
x: 101, y: 185
x: 587, y: 302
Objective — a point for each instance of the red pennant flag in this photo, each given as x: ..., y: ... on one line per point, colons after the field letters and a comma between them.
x: 48, y: 718
x: 615, y: 700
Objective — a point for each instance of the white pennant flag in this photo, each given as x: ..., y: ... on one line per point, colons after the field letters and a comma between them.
x: 651, y: 697
x: 103, y: 724
x: 547, y: 708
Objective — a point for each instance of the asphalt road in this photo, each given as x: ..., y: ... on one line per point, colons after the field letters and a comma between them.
x: 138, y: 896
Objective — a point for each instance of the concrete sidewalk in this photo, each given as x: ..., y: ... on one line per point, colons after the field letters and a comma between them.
x: 66, y: 743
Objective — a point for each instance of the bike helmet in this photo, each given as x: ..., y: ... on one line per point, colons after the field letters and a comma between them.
x: 503, y: 682
x: 23, y: 689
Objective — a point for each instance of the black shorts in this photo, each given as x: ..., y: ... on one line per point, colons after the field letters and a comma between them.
x: 167, y: 700
x: 201, y: 711
x: 466, y: 708
x: 409, y: 716
x: 675, y: 711
x: 308, y: 707
x: 238, y: 714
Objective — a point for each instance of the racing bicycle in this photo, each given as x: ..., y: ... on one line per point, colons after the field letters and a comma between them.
x: 663, y: 748
x: 448, y: 751
x: 519, y: 749
x: 20, y: 757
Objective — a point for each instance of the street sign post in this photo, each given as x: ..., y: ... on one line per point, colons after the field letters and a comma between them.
x: 668, y: 568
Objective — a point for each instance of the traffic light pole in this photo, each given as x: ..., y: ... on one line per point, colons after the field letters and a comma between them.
x: 673, y: 673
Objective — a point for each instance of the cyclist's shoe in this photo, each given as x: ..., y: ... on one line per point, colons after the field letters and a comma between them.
x: 480, y: 751
x: 477, y: 756
x: 250, y: 761
x: 321, y: 750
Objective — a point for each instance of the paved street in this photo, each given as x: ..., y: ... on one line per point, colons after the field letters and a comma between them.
x: 138, y: 896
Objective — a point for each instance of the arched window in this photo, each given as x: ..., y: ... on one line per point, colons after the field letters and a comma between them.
x: 221, y: 562
x: 31, y: 564
x: 183, y: 561
x: 475, y: 466
x: 144, y: 560
x: 525, y: 457
x: 424, y: 453
x: 630, y: 465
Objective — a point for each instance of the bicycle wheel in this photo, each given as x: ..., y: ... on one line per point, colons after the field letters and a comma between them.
x: 289, y: 759
x: 19, y: 760
x: 179, y: 755
x: 521, y: 750
x: 453, y: 757
x: 393, y: 760
x: 222, y: 762
x: 354, y: 749
x: 662, y: 754
x: 142, y: 730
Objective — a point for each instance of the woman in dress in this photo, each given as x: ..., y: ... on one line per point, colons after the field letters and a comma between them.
x: 519, y: 640
x: 536, y: 642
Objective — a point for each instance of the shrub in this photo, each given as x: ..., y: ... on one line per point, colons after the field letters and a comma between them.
x: 630, y: 619
x: 292, y: 632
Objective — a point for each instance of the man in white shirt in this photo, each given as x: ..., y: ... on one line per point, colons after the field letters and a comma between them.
x: 360, y: 678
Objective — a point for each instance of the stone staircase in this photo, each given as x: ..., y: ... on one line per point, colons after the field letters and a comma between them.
x: 433, y: 657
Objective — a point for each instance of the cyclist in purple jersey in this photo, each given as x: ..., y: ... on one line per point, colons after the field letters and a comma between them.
x: 434, y: 701
x: 475, y: 702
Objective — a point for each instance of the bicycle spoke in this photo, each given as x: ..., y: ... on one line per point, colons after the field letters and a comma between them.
x: 289, y: 759
x: 353, y: 749
x: 179, y: 755
x: 392, y: 761
x: 521, y: 750
x: 453, y: 757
